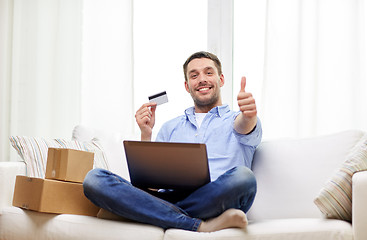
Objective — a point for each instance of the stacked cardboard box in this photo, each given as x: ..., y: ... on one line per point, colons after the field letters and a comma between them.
x: 62, y: 190
x: 68, y: 165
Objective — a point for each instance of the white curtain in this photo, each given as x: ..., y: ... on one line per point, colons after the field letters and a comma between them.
x: 63, y: 63
x: 5, y: 72
x: 40, y: 79
x: 312, y: 65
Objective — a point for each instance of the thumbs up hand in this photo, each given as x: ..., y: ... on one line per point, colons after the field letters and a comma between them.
x: 246, y: 102
x: 245, y: 122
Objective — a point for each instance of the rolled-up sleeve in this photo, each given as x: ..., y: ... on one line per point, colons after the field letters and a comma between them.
x: 252, y: 139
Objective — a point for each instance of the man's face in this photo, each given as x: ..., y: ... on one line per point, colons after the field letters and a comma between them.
x: 204, y: 83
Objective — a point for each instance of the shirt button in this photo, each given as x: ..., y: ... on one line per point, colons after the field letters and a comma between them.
x: 196, y: 134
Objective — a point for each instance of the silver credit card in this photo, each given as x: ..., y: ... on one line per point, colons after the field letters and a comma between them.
x: 159, y: 98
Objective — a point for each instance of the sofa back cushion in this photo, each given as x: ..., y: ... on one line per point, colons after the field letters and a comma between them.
x: 290, y: 173
x: 112, y: 144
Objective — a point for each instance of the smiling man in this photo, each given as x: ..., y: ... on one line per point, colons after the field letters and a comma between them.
x: 203, y: 84
x: 231, y: 139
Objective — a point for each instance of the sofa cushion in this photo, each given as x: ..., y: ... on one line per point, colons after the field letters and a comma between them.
x: 18, y: 224
x: 8, y: 173
x: 335, y: 198
x: 280, y: 229
x: 33, y: 150
x: 291, y: 172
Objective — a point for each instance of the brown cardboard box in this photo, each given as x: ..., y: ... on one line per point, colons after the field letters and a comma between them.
x: 52, y: 196
x: 68, y: 164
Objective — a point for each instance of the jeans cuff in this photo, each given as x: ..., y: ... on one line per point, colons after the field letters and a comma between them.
x: 196, y: 225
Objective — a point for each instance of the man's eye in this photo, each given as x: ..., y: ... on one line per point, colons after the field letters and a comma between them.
x: 194, y: 76
x: 209, y: 73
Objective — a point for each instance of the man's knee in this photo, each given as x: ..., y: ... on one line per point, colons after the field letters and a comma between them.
x: 92, y: 180
x: 244, y: 179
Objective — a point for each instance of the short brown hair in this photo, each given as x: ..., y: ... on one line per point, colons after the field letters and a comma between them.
x: 203, y: 54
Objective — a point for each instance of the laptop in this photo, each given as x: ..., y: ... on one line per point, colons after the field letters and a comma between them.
x: 167, y: 165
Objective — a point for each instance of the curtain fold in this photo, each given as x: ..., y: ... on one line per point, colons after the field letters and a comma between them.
x: 45, y: 79
x: 313, y: 68
x: 64, y: 63
x: 43, y: 69
x: 6, y: 10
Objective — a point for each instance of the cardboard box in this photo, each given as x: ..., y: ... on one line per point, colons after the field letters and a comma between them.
x: 68, y: 164
x: 52, y: 196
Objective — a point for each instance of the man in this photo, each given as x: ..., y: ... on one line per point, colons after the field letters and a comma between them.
x: 231, y: 139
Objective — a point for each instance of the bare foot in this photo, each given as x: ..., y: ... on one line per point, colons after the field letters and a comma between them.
x: 228, y: 219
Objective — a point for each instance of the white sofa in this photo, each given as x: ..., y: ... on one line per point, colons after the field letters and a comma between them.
x: 290, y: 174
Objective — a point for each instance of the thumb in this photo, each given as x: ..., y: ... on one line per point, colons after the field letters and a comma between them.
x: 243, y: 84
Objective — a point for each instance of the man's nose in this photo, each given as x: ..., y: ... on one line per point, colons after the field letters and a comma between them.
x: 202, y: 78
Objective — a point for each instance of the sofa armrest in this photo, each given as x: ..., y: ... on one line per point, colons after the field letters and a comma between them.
x: 8, y: 172
x: 359, y: 206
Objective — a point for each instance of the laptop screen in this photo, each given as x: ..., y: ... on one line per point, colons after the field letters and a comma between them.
x: 166, y: 165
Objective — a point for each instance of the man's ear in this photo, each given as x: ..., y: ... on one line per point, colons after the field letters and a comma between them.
x: 187, y: 86
x: 221, y: 79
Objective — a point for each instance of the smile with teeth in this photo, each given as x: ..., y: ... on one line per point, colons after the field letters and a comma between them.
x: 204, y: 89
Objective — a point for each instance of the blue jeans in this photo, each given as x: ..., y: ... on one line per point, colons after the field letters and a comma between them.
x: 171, y: 209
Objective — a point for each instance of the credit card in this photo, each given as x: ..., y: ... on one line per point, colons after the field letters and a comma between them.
x: 159, y: 98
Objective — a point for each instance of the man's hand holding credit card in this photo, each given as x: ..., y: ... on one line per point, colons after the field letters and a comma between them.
x: 159, y: 98
x: 145, y: 116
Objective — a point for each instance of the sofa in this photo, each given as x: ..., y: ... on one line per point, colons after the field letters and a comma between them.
x: 292, y: 176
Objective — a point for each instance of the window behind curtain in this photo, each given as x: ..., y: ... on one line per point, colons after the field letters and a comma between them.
x: 165, y: 34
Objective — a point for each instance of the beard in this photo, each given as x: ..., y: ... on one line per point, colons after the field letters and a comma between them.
x: 207, y: 102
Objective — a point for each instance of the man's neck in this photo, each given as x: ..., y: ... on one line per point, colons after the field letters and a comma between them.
x: 205, y: 109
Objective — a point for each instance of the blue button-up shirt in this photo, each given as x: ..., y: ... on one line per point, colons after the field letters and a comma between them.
x: 225, y: 147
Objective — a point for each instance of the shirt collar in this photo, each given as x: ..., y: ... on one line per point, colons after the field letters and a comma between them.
x: 220, y: 110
